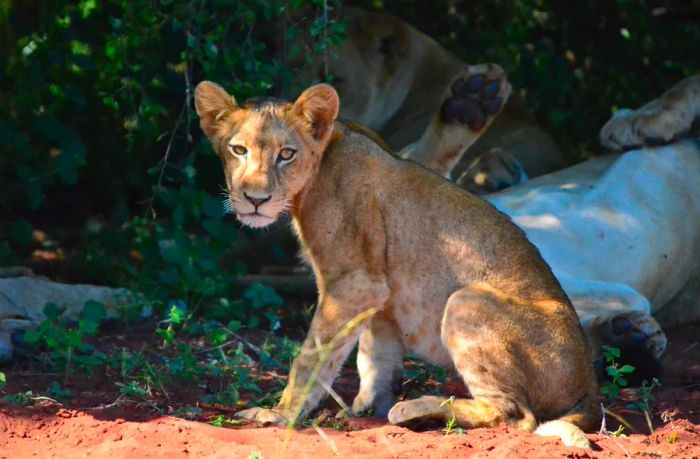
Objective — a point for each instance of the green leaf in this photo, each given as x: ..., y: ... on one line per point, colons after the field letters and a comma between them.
x: 93, y: 311
x: 626, y: 369
x: 52, y: 312
x: 167, y: 335
x: 217, y: 338
x: 31, y: 338
x: 88, y: 327
x: 234, y: 325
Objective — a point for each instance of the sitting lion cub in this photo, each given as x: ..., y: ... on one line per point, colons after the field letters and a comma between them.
x: 414, y: 261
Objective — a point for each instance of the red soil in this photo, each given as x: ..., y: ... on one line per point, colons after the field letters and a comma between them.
x: 49, y: 429
x: 41, y: 432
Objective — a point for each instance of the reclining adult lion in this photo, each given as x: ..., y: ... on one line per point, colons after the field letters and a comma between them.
x: 393, y: 78
x: 401, y: 83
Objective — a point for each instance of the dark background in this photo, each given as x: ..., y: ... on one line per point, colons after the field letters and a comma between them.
x: 106, y: 178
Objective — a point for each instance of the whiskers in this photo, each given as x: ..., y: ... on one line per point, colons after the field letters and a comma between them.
x: 226, y: 202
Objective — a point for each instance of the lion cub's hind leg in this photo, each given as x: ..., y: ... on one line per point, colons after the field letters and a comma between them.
x: 498, y: 347
x: 472, y: 331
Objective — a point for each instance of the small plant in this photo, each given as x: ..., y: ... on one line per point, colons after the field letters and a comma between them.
x: 177, y: 314
x: 64, y: 343
x: 617, y: 433
x: 20, y: 398
x: 134, y: 389
x: 644, y: 396
x: 3, y: 380
x: 615, y: 372
x: 221, y: 421
x: 450, y: 426
x: 58, y: 393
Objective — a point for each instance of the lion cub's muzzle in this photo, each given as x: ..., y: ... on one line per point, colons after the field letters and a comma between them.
x: 257, y: 209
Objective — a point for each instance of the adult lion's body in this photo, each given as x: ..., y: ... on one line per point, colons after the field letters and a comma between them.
x: 393, y: 78
x: 466, y: 290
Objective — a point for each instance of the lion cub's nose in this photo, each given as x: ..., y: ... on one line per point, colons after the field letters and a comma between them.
x: 257, y: 201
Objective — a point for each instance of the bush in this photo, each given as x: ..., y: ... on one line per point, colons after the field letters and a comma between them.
x: 576, y: 62
x: 100, y: 144
x: 99, y: 135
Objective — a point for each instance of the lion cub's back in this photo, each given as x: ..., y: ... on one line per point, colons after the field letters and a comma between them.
x: 458, y: 237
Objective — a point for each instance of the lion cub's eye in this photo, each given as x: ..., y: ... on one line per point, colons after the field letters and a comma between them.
x: 286, y: 154
x: 238, y: 150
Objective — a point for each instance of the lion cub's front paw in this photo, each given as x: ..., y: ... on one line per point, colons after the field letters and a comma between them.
x: 263, y: 415
x: 378, y: 403
x: 476, y: 96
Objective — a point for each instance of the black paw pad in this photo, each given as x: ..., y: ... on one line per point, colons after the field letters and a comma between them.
x: 473, y: 100
x: 492, y: 106
x: 465, y: 110
x: 474, y: 83
x: 490, y: 89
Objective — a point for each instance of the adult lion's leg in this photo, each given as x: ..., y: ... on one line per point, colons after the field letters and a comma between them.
x: 471, y: 102
x: 673, y: 115
x: 616, y: 315
x: 380, y: 365
x: 492, y: 171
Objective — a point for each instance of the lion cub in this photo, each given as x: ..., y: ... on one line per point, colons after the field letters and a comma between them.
x: 404, y: 261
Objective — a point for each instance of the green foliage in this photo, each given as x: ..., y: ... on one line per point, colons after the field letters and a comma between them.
x: 644, y: 398
x: 134, y: 389
x: 450, y: 425
x: 222, y: 421
x: 575, y: 62
x: 66, y: 349
x: 3, y: 380
x: 58, y: 393
x: 20, y: 398
x: 97, y: 97
x: 616, y: 372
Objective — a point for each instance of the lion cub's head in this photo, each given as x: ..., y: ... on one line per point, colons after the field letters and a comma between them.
x: 270, y: 148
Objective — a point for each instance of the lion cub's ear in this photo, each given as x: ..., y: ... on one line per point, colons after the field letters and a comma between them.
x: 319, y: 106
x: 212, y: 102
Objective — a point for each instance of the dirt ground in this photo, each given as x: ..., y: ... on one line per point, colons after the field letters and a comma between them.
x: 92, y: 425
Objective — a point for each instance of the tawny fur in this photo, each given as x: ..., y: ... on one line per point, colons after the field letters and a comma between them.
x: 466, y: 290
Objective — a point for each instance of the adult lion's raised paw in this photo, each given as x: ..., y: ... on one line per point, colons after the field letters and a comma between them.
x: 263, y: 415
x: 673, y: 115
x: 476, y: 96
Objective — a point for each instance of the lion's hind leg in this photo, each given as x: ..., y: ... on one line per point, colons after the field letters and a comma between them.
x: 465, y: 412
x: 521, y: 362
